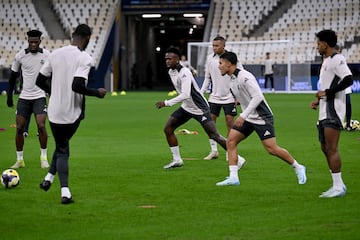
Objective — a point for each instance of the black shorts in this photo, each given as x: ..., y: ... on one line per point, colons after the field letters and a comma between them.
x: 229, y: 108
x: 26, y: 107
x: 263, y: 131
x: 183, y: 116
x: 327, y: 123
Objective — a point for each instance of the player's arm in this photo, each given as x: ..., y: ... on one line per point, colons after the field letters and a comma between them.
x: 207, y: 78
x: 12, y: 81
x: 79, y: 86
x: 43, y: 82
x: 256, y: 96
x: 346, y: 82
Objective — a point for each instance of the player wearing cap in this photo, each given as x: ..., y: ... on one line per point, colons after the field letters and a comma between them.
x: 69, y: 67
x: 32, y: 99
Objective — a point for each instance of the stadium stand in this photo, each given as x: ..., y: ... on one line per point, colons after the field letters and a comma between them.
x: 236, y: 19
x: 18, y: 16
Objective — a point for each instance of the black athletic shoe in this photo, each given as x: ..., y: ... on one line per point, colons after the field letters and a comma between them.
x: 45, y: 185
x: 66, y: 200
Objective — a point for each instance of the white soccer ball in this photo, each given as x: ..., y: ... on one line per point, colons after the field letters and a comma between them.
x: 3, y: 93
x: 355, y: 124
x: 10, y: 178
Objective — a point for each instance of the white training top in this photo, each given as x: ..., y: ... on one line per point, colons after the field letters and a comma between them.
x: 220, y: 85
x: 246, y: 90
x: 189, y: 93
x: 268, y: 63
x: 30, y: 64
x: 333, y: 70
x: 65, y: 106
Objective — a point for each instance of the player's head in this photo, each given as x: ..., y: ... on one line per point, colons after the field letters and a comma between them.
x: 34, y: 40
x: 267, y: 55
x: 326, y: 40
x: 227, y: 63
x: 82, y: 35
x: 172, y: 57
x: 218, y: 45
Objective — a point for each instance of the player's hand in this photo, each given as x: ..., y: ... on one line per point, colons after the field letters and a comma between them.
x: 320, y: 94
x: 314, y: 104
x: 9, y: 101
x: 160, y: 104
x: 239, y: 122
x: 102, y: 92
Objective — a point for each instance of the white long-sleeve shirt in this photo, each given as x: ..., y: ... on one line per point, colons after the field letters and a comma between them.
x: 220, y: 85
x: 246, y: 90
x: 189, y: 93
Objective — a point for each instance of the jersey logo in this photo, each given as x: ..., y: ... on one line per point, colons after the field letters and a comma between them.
x: 267, y: 133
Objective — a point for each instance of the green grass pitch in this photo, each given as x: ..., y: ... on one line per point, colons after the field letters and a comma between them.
x: 116, y: 164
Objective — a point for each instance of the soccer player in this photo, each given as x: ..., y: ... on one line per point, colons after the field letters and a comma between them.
x: 335, y: 77
x: 220, y: 96
x: 256, y: 116
x: 69, y: 67
x: 31, y: 99
x: 194, y: 105
x: 268, y: 69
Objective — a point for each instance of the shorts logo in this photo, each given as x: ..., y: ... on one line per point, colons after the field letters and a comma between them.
x: 267, y: 133
x: 234, y: 110
x: 203, y: 118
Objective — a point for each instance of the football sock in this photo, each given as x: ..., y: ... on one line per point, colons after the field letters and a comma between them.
x: 175, y: 152
x: 43, y: 152
x: 295, y: 164
x: 213, y: 145
x: 65, y: 192
x: 233, y: 171
x: 49, y: 177
x: 337, y: 181
x: 19, y: 155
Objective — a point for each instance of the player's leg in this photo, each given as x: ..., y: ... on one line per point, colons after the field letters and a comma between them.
x: 329, y: 135
x: 213, y: 133
x: 266, y: 134
x: 62, y: 135
x: 234, y: 138
x: 39, y: 110
x: 23, y: 112
x: 272, y: 82
x: 214, y: 112
x: 272, y: 148
x: 266, y: 81
x: 26, y: 129
x: 177, y: 118
x: 230, y: 113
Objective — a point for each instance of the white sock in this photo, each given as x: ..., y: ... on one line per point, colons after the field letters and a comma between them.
x: 49, y: 177
x: 337, y: 181
x: 43, y: 152
x: 65, y: 192
x: 233, y: 172
x: 176, y: 153
x: 296, y: 165
x: 19, y: 155
x: 213, y: 145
